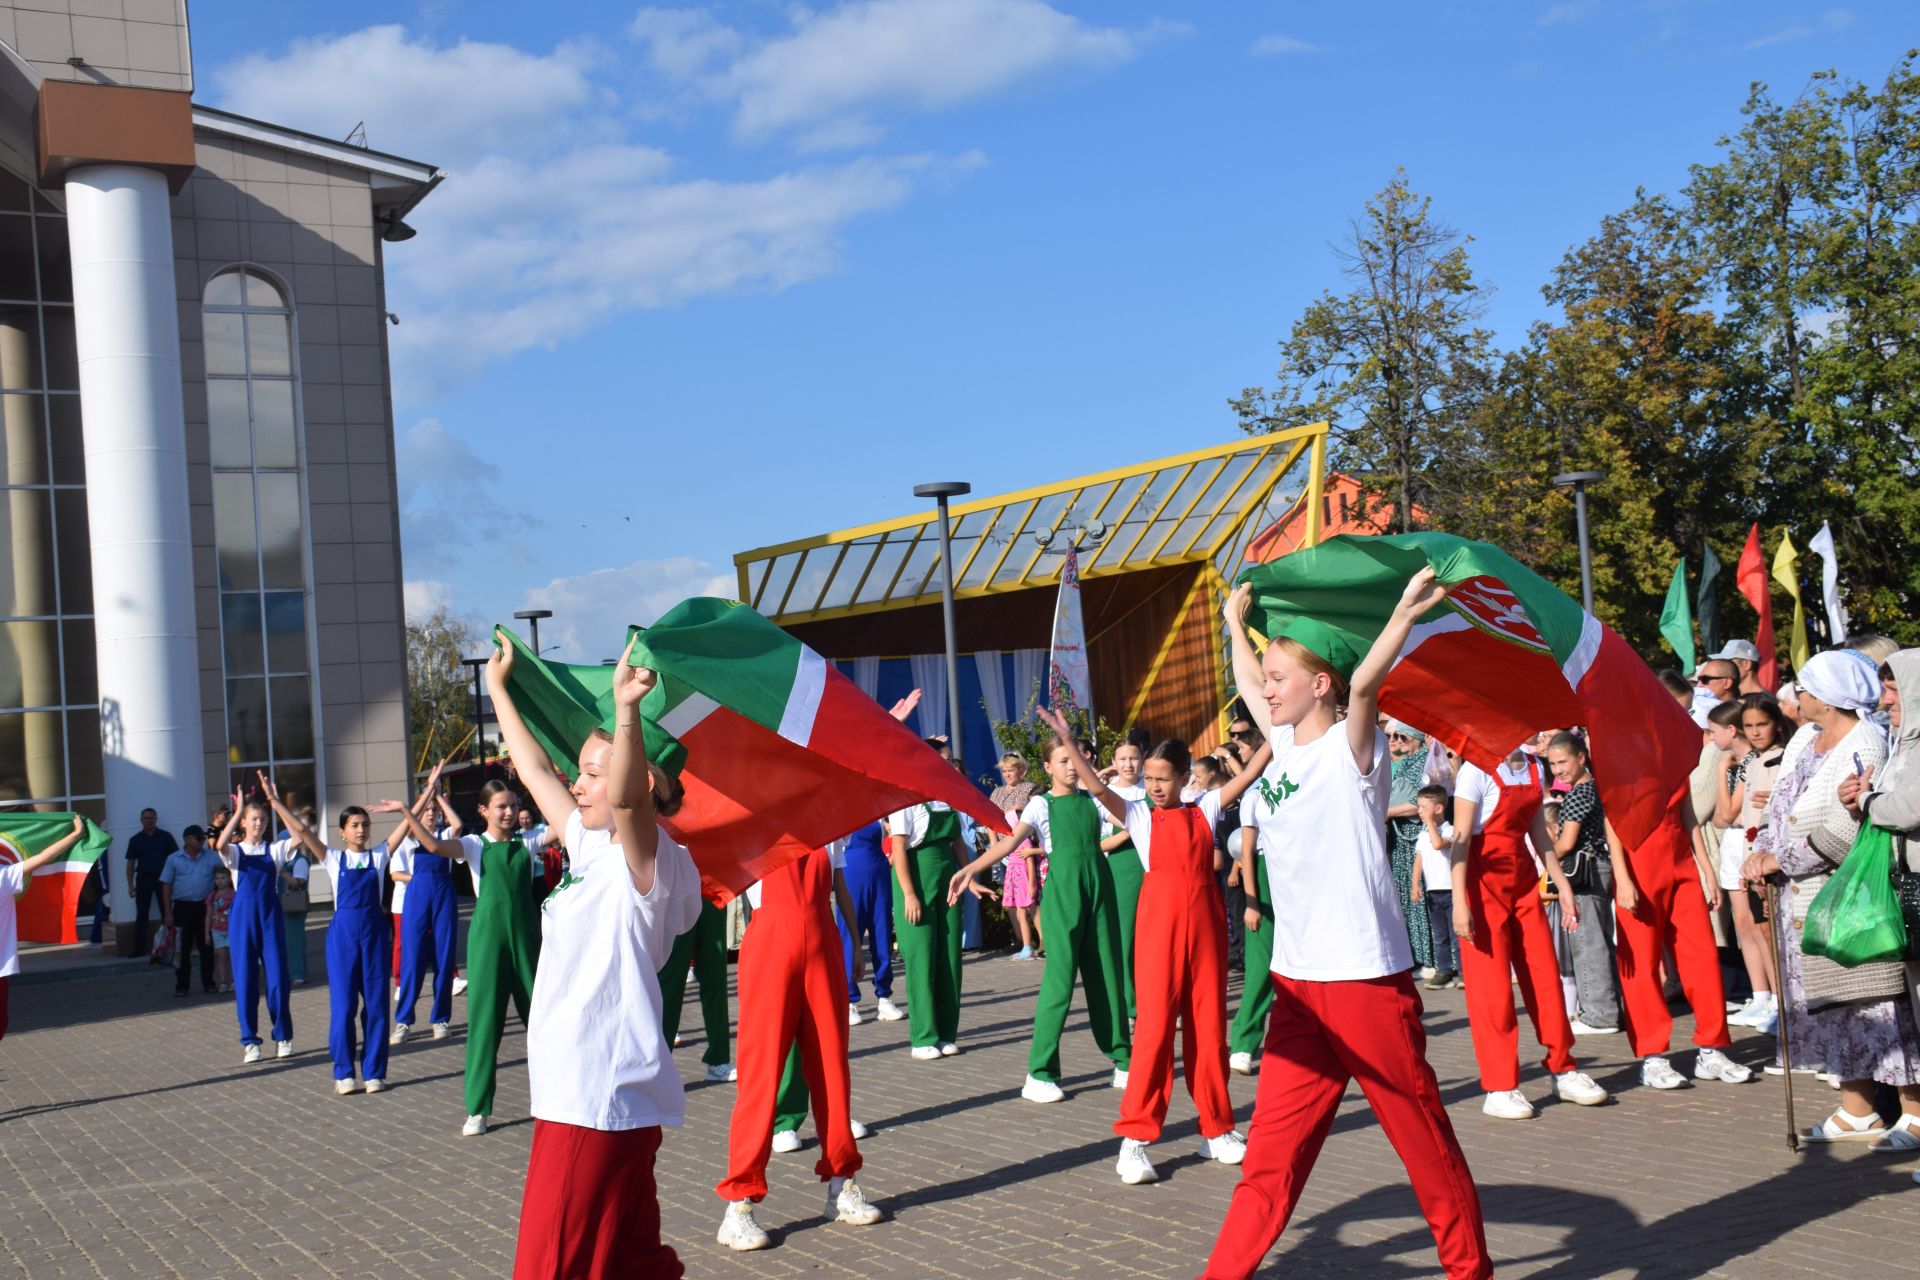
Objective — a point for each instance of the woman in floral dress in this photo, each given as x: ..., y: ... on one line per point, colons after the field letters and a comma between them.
x: 1408, y: 746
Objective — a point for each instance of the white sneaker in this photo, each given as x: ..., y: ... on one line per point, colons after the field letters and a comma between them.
x: 251, y: 1055
x: 1038, y: 1090
x: 1582, y: 1029
x: 1735, y: 1005
x: 1657, y: 1073
x: 441, y: 1030
x: 845, y: 1203
x: 854, y: 1016
x: 474, y: 1127
x: 1744, y: 1015
x: 283, y: 1048
x: 1767, y: 1022
x: 1711, y: 1064
x: 1578, y: 1087
x: 926, y: 1053
x: 400, y: 1033
x: 857, y: 1129
x: 459, y: 984
x: 738, y: 1230
x: 1119, y: 1080
x: 722, y: 1073
x: 785, y: 1142
x: 375, y: 1085
x: 887, y: 1011
x: 1507, y: 1104
x: 1133, y: 1166
x: 1228, y: 1148
x: 1429, y: 973
x: 343, y: 1087
x: 948, y: 1049
x: 1241, y: 1064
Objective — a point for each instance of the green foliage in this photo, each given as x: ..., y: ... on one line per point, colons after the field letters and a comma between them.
x: 1028, y: 738
x: 439, y: 689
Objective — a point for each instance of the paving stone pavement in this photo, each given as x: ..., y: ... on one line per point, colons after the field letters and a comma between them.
x: 134, y: 1144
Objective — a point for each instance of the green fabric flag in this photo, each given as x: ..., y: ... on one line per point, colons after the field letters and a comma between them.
x: 1676, y: 619
x: 562, y: 703
x: 1706, y: 605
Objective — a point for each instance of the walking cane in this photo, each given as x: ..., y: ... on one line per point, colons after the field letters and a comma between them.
x: 1780, y: 997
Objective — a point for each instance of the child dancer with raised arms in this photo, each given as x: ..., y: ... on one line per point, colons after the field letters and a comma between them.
x: 256, y: 931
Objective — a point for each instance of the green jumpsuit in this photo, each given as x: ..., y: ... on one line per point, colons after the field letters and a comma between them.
x: 1249, y: 1027
x: 503, y: 947
x: 931, y: 949
x: 1128, y: 873
x: 1079, y: 917
x: 705, y: 946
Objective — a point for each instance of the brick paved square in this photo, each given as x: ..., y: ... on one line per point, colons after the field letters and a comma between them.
x: 134, y: 1144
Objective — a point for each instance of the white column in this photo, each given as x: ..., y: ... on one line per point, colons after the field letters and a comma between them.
x: 127, y: 329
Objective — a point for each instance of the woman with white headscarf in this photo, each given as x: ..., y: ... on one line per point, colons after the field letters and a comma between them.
x: 1853, y: 1023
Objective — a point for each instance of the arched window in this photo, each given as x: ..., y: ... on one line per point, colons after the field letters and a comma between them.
x: 258, y: 526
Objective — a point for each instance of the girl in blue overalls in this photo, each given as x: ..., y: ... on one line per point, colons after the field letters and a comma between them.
x: 429, y: 916
x: 357, y: 944
x: 256, y: 932
x: 869, y: 878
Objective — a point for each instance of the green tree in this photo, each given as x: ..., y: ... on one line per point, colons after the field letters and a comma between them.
x: 1397, y: 363
x: 439, y: 689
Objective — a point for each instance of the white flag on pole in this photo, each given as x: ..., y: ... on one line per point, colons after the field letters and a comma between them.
x: 1822, y: 546
x: 1067, y: 682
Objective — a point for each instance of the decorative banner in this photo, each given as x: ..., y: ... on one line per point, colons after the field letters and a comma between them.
x: 1783, y: 565
x: 1752, y: 576
x: 1067, y: 681
x: 1676, y: 620
x: 1706, y: 605
x: 46, y: 911
x: 1822, y: 546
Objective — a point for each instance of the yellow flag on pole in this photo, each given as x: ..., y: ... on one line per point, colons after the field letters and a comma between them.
x: 1783, y: 566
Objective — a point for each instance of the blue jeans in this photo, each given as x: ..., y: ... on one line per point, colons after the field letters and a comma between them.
x: 1446, y: 946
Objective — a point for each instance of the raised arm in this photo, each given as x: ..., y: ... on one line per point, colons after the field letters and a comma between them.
x: 421, y: 803
x: 1247, y: 676
x: 1097, y: 788
x: 629, y: 782
x: 427, y: 841
x: 1423, y: 592
x: 535, y: 767
x: 456, y: 825
x: 1237, y: 785
x: 224, y: 840
x: 56, y: 850
x: 295, y: 828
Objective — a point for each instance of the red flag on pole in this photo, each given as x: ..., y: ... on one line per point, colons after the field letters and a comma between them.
x: 1752, y: 577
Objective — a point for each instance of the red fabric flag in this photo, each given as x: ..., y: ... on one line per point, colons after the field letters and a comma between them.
x: 1752, y: 577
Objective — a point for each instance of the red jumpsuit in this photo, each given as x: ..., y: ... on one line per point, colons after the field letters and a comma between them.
x: 1511, y: 937
x: 1180, y: 970
x: 1672, y: 912
x: 792, y: 984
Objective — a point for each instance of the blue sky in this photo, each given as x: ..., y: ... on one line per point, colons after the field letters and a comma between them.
x: 703, y: 279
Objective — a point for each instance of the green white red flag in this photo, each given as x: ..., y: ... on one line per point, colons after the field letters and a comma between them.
x: 1506, y: 656
x: 47, y: 910
x: 778, y: 752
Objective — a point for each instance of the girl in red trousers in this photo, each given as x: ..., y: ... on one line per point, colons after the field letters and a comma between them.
x: 599, y: 1069
x: 1179, y: 952
x: 1344, y: 1006
x: 793, y: 986
x: 1502, y: 927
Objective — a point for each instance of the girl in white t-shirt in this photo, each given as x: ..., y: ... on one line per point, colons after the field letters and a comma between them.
x: 256, y: 932
x: 1344, y: 1004
x: 14, y: 878
x: 1123, y: 860
x: 600, y: 1070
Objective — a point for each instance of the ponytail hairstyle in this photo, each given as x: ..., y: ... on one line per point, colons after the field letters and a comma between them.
x: 1726, y: 714
x: 1175, y: 753
x: 667, y: 791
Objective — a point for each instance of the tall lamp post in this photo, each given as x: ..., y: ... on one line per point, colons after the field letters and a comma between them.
x: 532, y: 618
x: 479, y: 709
x: 1580, y: 480
x: 941, y: 491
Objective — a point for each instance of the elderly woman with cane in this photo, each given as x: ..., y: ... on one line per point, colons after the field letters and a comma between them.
x: 1855, y: 1023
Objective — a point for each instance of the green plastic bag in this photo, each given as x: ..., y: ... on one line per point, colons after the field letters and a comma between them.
x: 1856, y: 918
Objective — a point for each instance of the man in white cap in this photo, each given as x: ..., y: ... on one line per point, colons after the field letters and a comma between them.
x: 1746, y: 664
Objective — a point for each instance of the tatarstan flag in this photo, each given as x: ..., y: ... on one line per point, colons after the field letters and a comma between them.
x: 46, y: 911
x: 779, y: 753
x: 1507, y: 655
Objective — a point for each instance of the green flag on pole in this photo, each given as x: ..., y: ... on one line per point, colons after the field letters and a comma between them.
x: 1676, y: 619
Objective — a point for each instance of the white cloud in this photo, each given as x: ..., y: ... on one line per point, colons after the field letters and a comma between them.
x: 1565, y: 14
x: 591, y: 611
x: 1786, y: 35
x: 1267, y: 46
x: 822, y: 80
x: 443, y: 482
x: 425, y: 596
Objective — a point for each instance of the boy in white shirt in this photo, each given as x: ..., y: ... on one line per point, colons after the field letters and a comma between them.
x: 1434, y: 884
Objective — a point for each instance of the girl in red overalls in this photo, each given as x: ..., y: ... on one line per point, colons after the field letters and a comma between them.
x: 793, y: 985
x: 1179, y: 953
x: 1503, y: 931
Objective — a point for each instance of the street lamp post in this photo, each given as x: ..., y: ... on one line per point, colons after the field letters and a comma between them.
x: 1580, y: 480
x: 532, y: 618
x: 940, y: 492
x: 479, y: 709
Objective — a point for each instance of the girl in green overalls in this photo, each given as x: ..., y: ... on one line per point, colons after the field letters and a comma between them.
x: 1123, y: 860
x: 1078, y: 914
x: 503, y: 940
x: 922, y: 841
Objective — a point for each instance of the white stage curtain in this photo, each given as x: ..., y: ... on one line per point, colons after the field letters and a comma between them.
x: 866, y: 674
x: 930, y: 677
x: 993, y: 684
x: 1029, y: 666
